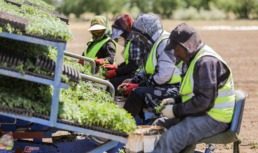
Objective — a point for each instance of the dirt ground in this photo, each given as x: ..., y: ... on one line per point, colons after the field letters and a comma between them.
x: 238, y: 48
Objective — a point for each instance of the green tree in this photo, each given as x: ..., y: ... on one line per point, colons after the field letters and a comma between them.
x: 76, y: 6
x: 98, y: 7
x: 144, y: 5
x: 198, y: 4
x: 164, y: 8
x: 243, y: 9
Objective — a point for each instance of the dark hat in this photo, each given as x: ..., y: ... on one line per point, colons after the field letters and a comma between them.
x: 180, y: 35
x: 123, y: 22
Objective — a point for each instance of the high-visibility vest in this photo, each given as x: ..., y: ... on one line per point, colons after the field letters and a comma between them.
x: 152, y: 62
x: 96, y: 47
x: 126, y: 52
x: 225, y: 101
x: 92, y: 52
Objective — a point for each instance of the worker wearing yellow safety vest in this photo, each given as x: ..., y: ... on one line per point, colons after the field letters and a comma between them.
x: 101, y: 47
x: 116, y: 74
x: 159, y: 77
x: 206, y: 102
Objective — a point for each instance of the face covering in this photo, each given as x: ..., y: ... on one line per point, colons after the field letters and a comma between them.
x: 97, y: 34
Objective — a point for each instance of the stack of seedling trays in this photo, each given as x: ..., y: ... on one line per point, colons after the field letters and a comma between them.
x: 13, y: 20
x: 13, y: 60
x: 27, y: 18
x: 53, y: 13
x: 84, y: 104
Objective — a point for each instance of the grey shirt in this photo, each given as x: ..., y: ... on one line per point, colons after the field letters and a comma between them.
x: 164, y: 67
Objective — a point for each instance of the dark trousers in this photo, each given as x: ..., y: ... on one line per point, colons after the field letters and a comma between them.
x: 148, y: 97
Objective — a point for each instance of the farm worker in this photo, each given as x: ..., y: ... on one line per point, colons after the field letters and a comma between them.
x: 206, y: 102
x: 159, y: 77
x: 101, y: 47
x: 121, y: 28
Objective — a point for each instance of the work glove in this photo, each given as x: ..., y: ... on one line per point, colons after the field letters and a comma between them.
x: 110, y: 74
x: 100, y: 61
x: 110, y: 66
x: 81, y: 62
x: 168, y: 111
x: 167, y: 101
x: 127, y: 87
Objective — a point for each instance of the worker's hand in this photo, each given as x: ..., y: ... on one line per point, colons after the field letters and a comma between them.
x: 168, y: 111
x: 110, y: 74
x: 100, y: 61
x: 127, y: 81
x: 110, y: 66
x: 167, y: 101
x: 127, y: 87
x: 81, y: 62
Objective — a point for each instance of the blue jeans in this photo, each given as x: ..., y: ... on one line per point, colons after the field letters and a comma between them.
x: 185, y: 132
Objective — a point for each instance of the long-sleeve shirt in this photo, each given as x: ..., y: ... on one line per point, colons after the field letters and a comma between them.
x: 107, y: 51
x: 165, y: 66
x: 134, y: 60
x: 209, y: 75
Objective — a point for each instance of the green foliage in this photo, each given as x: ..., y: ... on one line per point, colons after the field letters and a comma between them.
x: 41, y: 22
x: 165, y: 8
x: 198, y: 4
x: 159, y: 108
x: 42, y: 4
x: 144, y: 5
x: 193, y: 14
x: 213, y: 14
x: 187, y: 14
x: 98, y: 7
x: 243, y: 9
x: 84, y: 103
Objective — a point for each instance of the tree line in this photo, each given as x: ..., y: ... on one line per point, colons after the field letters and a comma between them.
x: 241, y: 9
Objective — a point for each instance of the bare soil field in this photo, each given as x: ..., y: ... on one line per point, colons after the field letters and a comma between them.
x: 239, y: 48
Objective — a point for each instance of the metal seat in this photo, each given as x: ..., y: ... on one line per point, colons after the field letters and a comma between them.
x: 230, y: 135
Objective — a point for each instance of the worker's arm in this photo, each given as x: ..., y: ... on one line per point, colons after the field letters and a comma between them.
x: 165, y: 65
x: 107, y: 52
x: 209, y: 75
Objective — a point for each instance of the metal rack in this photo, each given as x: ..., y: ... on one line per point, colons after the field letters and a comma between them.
x: 57, y: 85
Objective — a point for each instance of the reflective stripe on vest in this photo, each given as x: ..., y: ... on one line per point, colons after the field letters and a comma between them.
x: 152, y: 62
x: 224, y: 103
x: 176, y: 78
x: 126, y: 52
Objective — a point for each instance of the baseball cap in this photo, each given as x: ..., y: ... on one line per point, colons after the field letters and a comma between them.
x: 181, y: 34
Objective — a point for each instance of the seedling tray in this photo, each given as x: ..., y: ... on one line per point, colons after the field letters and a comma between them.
x: 15, y: 21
